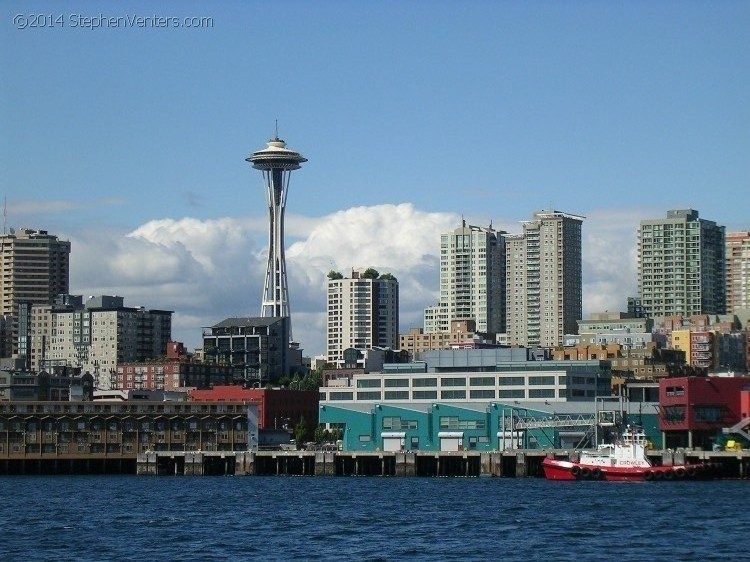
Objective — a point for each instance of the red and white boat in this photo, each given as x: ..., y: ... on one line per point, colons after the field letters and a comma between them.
x: 624, y: 460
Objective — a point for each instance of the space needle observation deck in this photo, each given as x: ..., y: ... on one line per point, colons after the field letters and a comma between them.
x: 276, y: 162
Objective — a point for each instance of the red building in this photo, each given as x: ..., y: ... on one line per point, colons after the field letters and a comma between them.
x: 694, y: 410
x: 176, y: 372
x: 166, y: 375
x: 277, y: 408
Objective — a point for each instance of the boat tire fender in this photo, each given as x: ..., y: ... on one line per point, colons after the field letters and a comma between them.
x: 668, y: 474
x: 585, y: 472
x: 691, y: 471
x: 576, y: 470
x: 596, y: 473
x: 679, y: 472
x: 648, y: 475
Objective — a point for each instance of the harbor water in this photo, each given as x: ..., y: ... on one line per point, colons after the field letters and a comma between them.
x: 89, y: 518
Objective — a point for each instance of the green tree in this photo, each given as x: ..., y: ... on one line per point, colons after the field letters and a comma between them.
x: 370, y: 273
x: 312, y: 381
x: 300, y: 432
x: 320, y: 434
x: 334, y: 275
x: 388, y: 277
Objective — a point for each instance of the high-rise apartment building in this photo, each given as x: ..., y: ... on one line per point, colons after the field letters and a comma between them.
x: 362, y: 313
x: 544, y: 286
x: 34, y: 267
x: 99, y: 335
x: 472, y: 264
x: 738, y: 271
x: 681, y: 265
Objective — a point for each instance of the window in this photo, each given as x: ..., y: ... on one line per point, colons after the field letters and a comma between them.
x: 708, y: 414
x: 542, y: 393
x: 341, y: 396
x: 371, y: 395
x: 512, y: 381
x: 675, y: 391
x: 453, y: 381
x: 482, y: 381
x: 418, y: 383
x: 364, y: 438
x: 396, y: 394
x: 546, y: 381
x: 673, y: 414
x: 368, y: 383
x: 514, y: 393
x: 424, y: 395
x: 398, y: 383
x: 395, y: 423
x: 454, y: 423
x: 452, y: 394
x: 481, y: 393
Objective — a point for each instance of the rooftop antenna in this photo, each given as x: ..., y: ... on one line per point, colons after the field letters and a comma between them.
x: 5, y: 214
x: 277, y: 130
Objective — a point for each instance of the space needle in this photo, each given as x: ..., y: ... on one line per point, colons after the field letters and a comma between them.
x: 276, y: 162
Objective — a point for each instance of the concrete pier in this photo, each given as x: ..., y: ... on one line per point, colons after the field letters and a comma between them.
x: 497, y: 464
x: 514, y: 464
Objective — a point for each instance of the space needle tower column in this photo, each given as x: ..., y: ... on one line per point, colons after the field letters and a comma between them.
x: 276, y: 162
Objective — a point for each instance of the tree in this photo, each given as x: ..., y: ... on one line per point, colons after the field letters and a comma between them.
x: 388, y: 277
x: 370, y: 273
x: 320, y: 434
x: 300, y: 432
x: 334, y: 275
x: 312, y: 381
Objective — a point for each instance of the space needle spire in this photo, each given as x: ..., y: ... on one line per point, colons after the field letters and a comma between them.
x: 276, y: 162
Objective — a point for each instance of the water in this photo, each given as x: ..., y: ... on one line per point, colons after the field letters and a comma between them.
x: 275, y: 518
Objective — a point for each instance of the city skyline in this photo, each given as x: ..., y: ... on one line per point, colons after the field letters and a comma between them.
x: 130, y: 143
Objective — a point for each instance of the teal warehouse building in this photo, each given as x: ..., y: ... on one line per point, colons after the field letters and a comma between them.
x: 482, y: 427
x: 481, y: 400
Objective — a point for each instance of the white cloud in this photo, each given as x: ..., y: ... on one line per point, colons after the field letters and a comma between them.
x: 609, y: 259
x: 207, y: 270
x: 22, y: 208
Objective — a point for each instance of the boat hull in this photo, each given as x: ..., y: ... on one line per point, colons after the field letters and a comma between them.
x: 568, y: 470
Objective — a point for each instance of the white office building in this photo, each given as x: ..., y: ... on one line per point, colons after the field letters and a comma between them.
x: 544, y: 283
x: 471, y: 280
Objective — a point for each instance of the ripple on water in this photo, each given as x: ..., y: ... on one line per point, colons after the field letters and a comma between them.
x: 96, y: 518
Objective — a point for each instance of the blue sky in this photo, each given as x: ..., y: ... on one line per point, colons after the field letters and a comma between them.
x: 490, y: 110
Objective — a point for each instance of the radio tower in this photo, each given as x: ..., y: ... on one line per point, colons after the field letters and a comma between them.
x: 276, y: 162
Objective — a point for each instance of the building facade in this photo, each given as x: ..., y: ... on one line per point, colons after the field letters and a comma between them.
x: 361, y: 313
x: 34, y: 267
x: 256, y: 348
x: 462, y: 334
x: 694, y: 410
x: 681, y: 265
x: 101, y: 430
x: 544, y: 282
x: 278, y: 408
x: 170, y: 375
x: 61, y: 384
x: 472, y: 276
x: 627, y: 362
x: 514, y: 381
x: 99, y: 335
x: 738, y: 270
